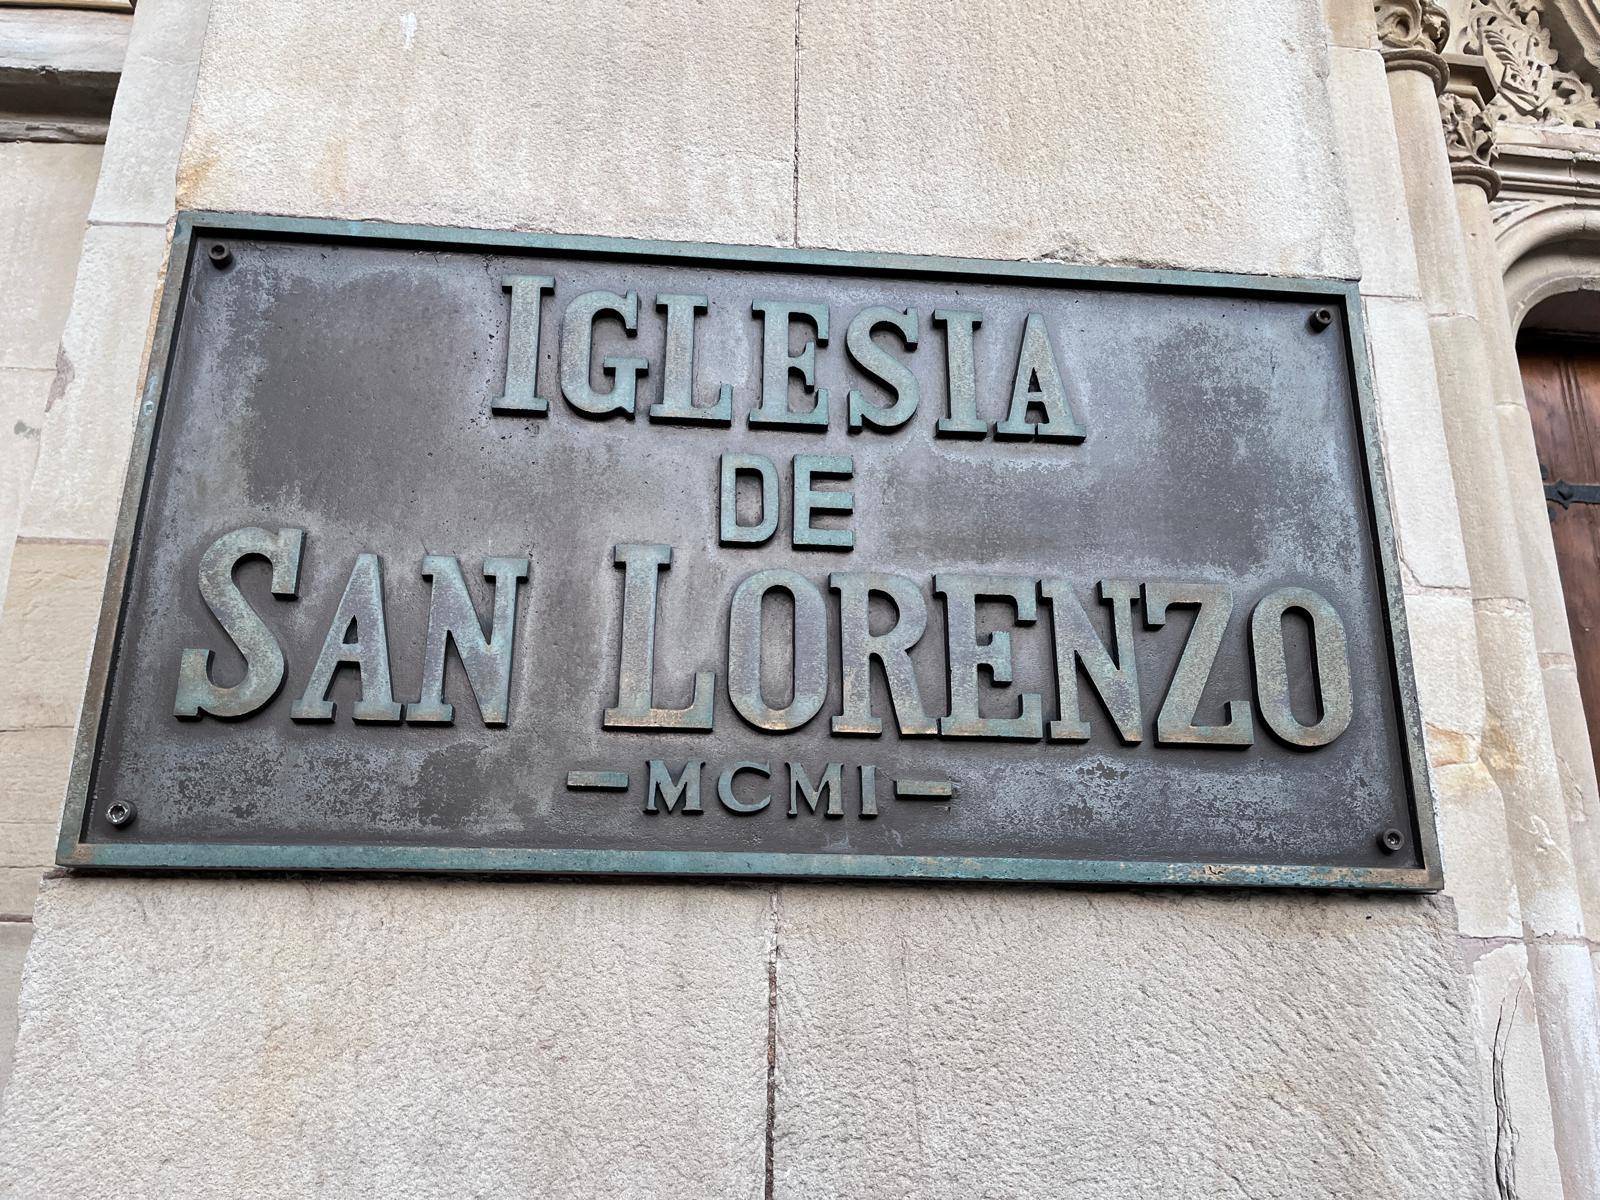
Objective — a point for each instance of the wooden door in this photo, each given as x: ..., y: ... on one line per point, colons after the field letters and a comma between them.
x: 1561, y: 377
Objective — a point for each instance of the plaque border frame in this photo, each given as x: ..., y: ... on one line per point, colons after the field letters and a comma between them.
x: 190, y: 226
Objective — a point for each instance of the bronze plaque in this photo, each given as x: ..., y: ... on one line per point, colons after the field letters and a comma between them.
x: 463, y: 551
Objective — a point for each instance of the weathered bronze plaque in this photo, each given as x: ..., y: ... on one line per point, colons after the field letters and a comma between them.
x: 465, y: 551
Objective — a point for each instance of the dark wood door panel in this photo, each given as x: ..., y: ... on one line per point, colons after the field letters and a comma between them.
x: 1561, y: 379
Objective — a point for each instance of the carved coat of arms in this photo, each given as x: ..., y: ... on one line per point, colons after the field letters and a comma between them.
x: 1531, y: 85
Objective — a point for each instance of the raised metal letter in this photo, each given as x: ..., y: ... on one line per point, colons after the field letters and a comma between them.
x: 1077, y: 642
x: 858, y: 646
x: 642, y: 564
x: 807, y: 500
x: 1038, y: 382
x: 869, y: 791
x: 832, y: 782
x: 677, y: 372
x: 968, y: 656
x: 686, y: 786
x: 360, y: 614
x: 962, y: 375
x: 1175, y: 722
x: 452, y: 619
x: 725, y: 788
x: 577, y: 345
x: 1330, y: 670
x: 878, y: 362
x: 522, y: 344
x: 778, y: 363
x: 263, y: 657
x: 809, y: 664
x: 729, y: 531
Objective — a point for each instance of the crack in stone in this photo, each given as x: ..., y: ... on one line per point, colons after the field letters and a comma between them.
x: 1505, y: 1131
x: 796, y: 133
x: 772, y: 1038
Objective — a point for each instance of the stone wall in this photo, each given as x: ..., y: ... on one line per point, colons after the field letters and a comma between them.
x: 76, y: 302
x: 43, y: 205
x: 220, y: 1037
x: 250, y: 1039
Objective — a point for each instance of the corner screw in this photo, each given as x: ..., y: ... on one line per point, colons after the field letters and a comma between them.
x: 1321, y: 318
x: 120, y: 813
x: 220, y: 255
x: 1390, y: 840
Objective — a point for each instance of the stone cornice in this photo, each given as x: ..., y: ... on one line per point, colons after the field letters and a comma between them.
x: 1539, y: 163
x: 58, y: 73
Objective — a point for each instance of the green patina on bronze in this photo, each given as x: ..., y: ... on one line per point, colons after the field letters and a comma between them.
x: 1039, y: 412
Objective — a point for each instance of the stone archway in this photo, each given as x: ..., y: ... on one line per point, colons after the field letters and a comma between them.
x: 1547, y: 248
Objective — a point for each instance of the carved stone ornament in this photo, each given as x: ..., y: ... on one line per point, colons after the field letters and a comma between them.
x: 1413, y: 34
x: 1412, y: 25
x: 1531, y: 86
x: 1469, y: 141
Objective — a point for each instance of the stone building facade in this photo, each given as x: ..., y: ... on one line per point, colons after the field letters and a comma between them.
x: 231, y: 1036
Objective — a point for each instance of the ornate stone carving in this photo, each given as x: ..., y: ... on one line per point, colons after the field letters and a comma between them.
x: 1468, y: 131
x: 1412, y: 25
x: 1413, y: 34
x: 1531, y: 86
x: 1469, y: 141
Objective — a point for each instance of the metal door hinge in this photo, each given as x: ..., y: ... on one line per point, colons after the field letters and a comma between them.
x: 1566, y: 494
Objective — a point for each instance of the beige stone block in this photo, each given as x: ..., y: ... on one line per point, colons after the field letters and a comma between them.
x: 34, y: 764
x: 1487, y: 269
x: 51, y: 610
x: 1477, y: 858
x: 33, y: 776
x: 1363, y: 124
x: 1518, y: 750
x: 1189, y: 134
x: 1444, y: 653
x: 1531, y: 512
x: 1569, y: 1027
x: 14, y: 937
x: 1430, y: 194
x: 43, y: 205
x: 641, y: 120
x: 1471, y: 810
x: 1351, y: 23
x: 361, y: 1039
x: 1476, y: 460
x: 23, y: 394
x: 1044, y: 1043
x: 19, y: 887
x: 1569, y: 735
x: 1421, y: 488
x: 27, y: 846
x: 139, y: 176
x: 1513, y: 1092
x: 83, y: 454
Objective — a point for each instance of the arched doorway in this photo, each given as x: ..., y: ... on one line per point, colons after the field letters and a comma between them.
x: 1558, y: 349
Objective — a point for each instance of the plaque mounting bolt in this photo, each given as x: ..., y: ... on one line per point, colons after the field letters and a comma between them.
x: 1391, y: 840
x: 219, y: 255
x: 120, y: 813
x: 1321, y: 318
